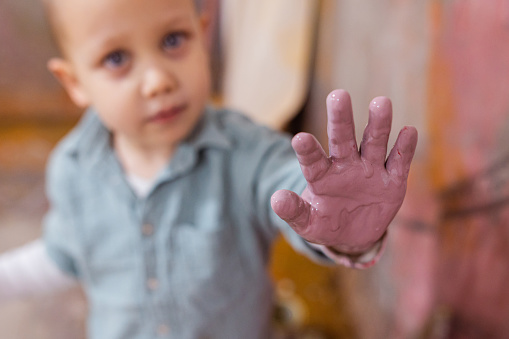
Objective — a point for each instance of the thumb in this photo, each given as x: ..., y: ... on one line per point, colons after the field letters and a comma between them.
x: 290, y: 207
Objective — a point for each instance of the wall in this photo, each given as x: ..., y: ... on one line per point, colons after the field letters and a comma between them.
x: 27, y: 89
x: 445, y: 64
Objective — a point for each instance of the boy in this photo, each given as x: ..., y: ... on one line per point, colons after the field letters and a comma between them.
x: 160, y: 205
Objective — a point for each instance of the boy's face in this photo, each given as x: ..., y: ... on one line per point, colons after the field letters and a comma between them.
x: 142, y: 65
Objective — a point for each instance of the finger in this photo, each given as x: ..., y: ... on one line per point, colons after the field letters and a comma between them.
x: 376, y: 134
x: 340, y: 125
x: 312, y: 158
x: 398, y: 162
x: 290, y: 207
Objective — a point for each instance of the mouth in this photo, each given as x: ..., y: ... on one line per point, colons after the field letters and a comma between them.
x: 167, y: 115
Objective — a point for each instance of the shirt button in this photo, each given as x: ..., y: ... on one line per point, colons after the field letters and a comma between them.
x: 163, y: 329
x: 147, y: 229
x: 152, y: 284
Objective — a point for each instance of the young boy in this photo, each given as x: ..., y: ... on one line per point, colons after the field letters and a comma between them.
x: 161, y: 206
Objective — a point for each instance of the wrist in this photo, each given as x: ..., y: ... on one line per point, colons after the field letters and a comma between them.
x: 359, y: 260
x: 357, y: 251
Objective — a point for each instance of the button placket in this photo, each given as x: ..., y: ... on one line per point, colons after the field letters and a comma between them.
x: 147, y: 229
x: 163, y: 330
x: 152, y: 284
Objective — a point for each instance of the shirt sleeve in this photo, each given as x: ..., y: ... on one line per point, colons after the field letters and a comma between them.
x: 59, y: 230
x: 279, y: 169
x: 359, y: 261
x: 276, y: 167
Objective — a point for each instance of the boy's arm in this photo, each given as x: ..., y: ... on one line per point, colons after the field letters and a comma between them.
x: 353, y: 195
x: 28, y: 271
x: 359, y: 261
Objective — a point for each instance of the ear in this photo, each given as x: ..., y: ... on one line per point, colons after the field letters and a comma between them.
x: 205, y: 20
x: 207, y: 29
x: 64, y: 72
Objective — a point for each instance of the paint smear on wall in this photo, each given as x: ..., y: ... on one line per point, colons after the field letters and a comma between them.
x: 469, y: 153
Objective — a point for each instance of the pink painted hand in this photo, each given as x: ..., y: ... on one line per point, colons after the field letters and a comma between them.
x: 353, y: 195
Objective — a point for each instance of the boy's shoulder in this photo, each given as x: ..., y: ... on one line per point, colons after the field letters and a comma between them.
x: 241, y: 131
x: 82, y: 138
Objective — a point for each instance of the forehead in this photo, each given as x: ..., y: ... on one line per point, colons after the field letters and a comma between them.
x: 65, y: 5
x: 75, y: 19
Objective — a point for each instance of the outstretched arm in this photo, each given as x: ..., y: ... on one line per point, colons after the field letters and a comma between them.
x: 353, y: 194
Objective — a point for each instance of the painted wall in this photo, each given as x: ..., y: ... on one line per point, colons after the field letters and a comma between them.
x: 445, y: 64
x: 469, y: 156
x: 27, y: 89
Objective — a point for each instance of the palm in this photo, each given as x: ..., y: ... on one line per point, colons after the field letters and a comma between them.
x: 353, y: 195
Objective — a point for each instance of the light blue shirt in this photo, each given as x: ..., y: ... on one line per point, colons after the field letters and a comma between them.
x: 190, y: 259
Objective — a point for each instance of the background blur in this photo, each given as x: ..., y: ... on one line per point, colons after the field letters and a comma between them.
x: 444, y: 64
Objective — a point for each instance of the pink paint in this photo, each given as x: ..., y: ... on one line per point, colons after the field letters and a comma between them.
x: 476, y: 43
x: 468, y: 233
x: 353, y: 195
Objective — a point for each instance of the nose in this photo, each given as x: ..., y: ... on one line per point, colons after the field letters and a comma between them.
x: 157, y: 81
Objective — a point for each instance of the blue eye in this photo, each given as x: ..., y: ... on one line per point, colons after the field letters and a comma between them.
x: 174, y: 40
x: 115, y: 59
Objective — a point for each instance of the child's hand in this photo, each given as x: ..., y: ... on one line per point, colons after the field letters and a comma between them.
x: 353, y: 195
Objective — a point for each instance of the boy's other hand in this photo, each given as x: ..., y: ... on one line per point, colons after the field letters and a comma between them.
x: 353, y: 194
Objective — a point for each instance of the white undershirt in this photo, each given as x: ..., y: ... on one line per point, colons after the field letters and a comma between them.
x: 29, y: 271
x: 141, y: 186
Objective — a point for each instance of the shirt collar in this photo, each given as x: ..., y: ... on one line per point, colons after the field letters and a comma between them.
x: 209, y: 132
x: 91, y: 144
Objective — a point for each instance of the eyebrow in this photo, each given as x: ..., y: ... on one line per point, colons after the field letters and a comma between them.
x: 116, y: 37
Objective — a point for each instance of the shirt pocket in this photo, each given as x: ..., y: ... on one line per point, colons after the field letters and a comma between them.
x: 207, y: 268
